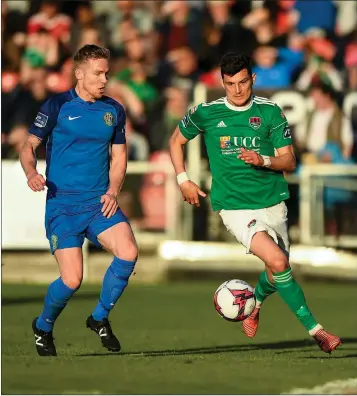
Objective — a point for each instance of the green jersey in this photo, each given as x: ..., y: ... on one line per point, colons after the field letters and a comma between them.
x: 259, y: 126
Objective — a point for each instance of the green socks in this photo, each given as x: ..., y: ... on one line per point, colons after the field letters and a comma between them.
x: 263, y: 289
x: 291, y: 293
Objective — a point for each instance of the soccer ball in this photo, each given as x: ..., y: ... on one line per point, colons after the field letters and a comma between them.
x: 234, y: 300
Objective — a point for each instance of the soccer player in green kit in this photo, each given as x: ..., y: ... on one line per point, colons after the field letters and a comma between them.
x: 249, y: 147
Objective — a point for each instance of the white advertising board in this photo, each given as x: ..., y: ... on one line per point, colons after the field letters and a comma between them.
x: 23, y: 210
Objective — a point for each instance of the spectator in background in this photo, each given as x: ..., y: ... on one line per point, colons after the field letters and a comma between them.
x: 89, y: 35
x: 180, y: 26
x: 282, y: 14
x: 182, y: 69
x: 350, y: 61
x: 87, y: 29
x: 13, y: 38
x: 326, y: 123
x: 319, y: 54
x: 124, y: 95
x: 22, y: 111
x: 235, y: 33
x: 51, y: 20
x: 261, y: 23
x: 128, y: 16
x: 275, y: 67
x: 41, y: 51
x: 138, y: 148
x: 316, y: 14
x: 165, y: 121
x: 135, y: 77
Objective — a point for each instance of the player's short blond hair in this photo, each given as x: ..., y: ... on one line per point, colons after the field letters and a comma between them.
x: 90, y: 51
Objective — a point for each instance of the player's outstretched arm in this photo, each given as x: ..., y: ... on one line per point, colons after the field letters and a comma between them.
x: 118, y: 165
x: 189, y: 190
x: 28, y: 162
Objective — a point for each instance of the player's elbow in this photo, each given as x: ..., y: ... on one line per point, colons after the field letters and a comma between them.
x: 174, y: 143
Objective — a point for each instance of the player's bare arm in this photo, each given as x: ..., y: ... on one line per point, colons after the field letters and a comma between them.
x: 284, y: 161
x: 189, y: 190
x: 28, y: 162
x: 118, y: 165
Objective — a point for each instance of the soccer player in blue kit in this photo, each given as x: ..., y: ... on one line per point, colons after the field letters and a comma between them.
x: 86, y: 159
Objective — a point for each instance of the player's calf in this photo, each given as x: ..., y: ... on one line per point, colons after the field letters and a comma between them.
x: 115, y: 281
x: 263, y: 290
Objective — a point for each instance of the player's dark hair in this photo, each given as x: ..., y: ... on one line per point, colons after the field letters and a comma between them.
x: 232, y: 63
x: 90, y: 51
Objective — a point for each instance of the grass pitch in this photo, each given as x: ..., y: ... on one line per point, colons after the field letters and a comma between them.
x: 174, y: 343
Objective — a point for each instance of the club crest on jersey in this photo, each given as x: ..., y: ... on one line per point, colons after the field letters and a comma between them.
x: 108, y: 119
x: 225, y: 142
x: 255, y: 122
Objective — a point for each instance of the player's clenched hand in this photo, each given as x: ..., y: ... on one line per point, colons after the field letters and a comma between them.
x: 110, y: 205
x: 251, y: 157
x: 190, y: 192
x: 36, y: 182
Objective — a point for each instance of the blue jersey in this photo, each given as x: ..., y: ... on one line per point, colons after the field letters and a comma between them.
x: 79, y: 136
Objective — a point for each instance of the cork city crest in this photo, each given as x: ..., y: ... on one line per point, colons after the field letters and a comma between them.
x: 255, y: 122
x: 225, y: 142
x: 108, y: 119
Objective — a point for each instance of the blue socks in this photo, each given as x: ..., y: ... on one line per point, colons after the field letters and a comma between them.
x: 56, y: 299
x: 115, y: 281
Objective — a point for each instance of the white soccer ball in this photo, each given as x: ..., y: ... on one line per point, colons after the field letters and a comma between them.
x: 234, y: 300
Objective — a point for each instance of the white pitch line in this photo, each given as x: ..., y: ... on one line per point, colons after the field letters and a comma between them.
x: 339, y: 387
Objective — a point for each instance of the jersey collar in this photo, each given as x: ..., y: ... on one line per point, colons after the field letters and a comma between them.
x: 76, y: 96
x: 74, y: 93
x: 236, y: 108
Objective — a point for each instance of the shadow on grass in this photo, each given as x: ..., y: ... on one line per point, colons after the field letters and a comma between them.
x: 351, y: 356
x: 39, y: 299
x: 294, y: 344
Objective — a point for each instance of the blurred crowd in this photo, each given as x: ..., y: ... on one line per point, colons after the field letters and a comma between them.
x: 161, y: 49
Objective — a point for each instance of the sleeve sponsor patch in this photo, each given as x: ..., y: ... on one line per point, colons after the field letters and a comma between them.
x: 185, y: 121
x: 41, y: 120
x: 287, y: 133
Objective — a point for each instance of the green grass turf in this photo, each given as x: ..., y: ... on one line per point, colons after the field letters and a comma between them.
x: 174, y: 343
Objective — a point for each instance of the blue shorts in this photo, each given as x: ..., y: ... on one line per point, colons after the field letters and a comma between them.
x: 68, y: 225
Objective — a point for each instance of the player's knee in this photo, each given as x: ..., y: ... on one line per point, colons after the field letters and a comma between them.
x: 128, y: 252
x: 72, y: 281
x: 279, y: 265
